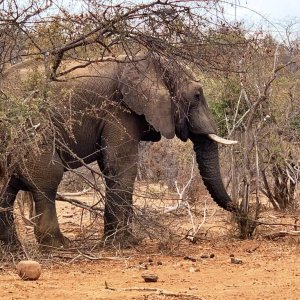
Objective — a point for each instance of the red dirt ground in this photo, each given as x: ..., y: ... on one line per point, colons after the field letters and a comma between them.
x: 269, y: 269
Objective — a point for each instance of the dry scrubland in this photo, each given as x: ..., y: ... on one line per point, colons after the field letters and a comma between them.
x: 217, y: 266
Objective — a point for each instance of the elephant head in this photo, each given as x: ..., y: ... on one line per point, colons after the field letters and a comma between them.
x: 194, y: 121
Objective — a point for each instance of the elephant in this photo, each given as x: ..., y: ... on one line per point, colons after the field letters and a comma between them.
x: 114, y: 106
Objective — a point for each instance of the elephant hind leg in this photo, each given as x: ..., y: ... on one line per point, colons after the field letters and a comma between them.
x: 47, y: 229
x: 8, y: 234
x: 44, y: 183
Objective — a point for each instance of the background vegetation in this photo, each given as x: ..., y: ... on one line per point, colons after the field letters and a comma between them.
x: 250, y: 79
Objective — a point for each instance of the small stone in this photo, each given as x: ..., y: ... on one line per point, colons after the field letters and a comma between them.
x: 150, y: 260
x: 211, y: 255
x: 190, y: 258
x: 143, y: 267
x: 159, y: 263
x: 150, y: 277
x: 194, y: 269
x: 231, y: 255
x: 29, y: 269
x: 236, y: 261
x: 178, y: 265
x: 204, y: 256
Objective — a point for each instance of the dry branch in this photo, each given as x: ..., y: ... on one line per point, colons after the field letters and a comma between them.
x: 181, y: 193
x: 93, y: 209
x: 5, y: 209
x: 281, y: 234
x: 72, y: 194
x: 91, y: 256
x: 156, y: 290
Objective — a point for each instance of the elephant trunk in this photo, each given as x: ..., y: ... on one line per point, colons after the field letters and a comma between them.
x: 207, y: 156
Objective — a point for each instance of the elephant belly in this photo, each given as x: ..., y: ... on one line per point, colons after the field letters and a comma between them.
x: 84, y: 147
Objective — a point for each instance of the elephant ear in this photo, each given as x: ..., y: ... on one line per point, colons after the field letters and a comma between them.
x: 144, y: 93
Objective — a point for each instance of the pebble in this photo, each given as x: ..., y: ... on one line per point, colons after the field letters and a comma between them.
x: 150, y: 277
x: 236, y: 261
x: 190, y: 258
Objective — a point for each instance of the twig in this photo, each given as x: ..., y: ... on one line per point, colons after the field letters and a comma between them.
x: 80, y: 193
x: 203, y: 220
x: 95, y: 210
x: 281, y: 234
x: 156, y: 290
x: 2, y: 209
x: 181, y: 201
x: 267, y: 224
x: 92, y: 257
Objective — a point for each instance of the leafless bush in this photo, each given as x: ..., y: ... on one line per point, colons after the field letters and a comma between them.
x: 258, y: 107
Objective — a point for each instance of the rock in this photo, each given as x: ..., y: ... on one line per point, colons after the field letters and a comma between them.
x: 150, y: 277
x: 190, y: 258
x: 29, y: 269
x: 194, y: 269
x: 204, y: 256
x: 231, y: 255
x: 150, y: 260
x: 236, y: 261
x: 212, y: 255
x: 143, y: 267
x: 159, y: 263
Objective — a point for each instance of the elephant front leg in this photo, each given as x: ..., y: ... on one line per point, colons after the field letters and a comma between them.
x: 118, y: 213
x: 8, y: 234
x: 47, y: 229
x: 120, y: 170
x: 118, y: 163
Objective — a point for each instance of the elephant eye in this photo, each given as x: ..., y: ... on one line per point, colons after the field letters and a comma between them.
x: 198, y: 96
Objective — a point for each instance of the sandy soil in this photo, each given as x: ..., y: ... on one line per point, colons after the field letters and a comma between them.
x: 268, y: 269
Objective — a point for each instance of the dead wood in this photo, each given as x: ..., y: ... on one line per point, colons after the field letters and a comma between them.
x: 81, y: 204
x: 156, y: 290
x: 282, y: 234
x: 72, y: 194
x: 2, y: 209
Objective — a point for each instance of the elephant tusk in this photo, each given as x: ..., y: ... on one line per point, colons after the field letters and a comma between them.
x: 220, y: 140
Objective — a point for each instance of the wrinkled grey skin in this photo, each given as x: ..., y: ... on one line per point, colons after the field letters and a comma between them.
x: 134, y: 101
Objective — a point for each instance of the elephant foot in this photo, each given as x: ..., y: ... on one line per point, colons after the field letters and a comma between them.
x: 52, y: 241
x: 121, y: 239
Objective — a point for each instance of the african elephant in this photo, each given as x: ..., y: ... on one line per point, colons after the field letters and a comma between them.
x: 135, y: 101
